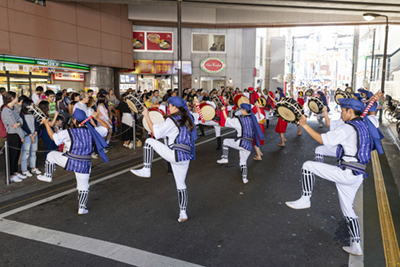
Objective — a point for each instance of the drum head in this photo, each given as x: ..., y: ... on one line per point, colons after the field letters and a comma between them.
x: 155, y: 116
x: 208, y: 112
x: 131, y: 106
x: 263, y: 102
x: 242, y: 100
x: 313, y: 106
x: 309, y: 92
x: 286, y: 114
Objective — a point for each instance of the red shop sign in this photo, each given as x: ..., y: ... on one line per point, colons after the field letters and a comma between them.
x: 213, y: 65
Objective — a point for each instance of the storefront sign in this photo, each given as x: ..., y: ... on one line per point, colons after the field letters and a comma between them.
x: 152, y: 41
x: 48, y: 63
x: 163, y: 67
x: 12, y: 67
x: 159, y: 41
x: 186, y: 67
x: 139, y: 39
x: 42, y: 62
x: 69, y: 76
x: 213, y: 65
x: 145, y: 66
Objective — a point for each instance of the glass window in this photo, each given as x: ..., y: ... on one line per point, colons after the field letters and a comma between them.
x: 3, y: 82
x: 20, y: 85
x: 208, y: 43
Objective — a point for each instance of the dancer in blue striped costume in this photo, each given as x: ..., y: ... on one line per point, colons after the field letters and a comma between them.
x: 247, y: 128
x: 78, y: 143
x: 179, y: 130
x: 353, y: 143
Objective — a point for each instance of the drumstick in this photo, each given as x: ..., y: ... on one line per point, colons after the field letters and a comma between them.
x: 272, y: 99
x: 199, y: 111
x: 368, y: 107
x: 83, y: 122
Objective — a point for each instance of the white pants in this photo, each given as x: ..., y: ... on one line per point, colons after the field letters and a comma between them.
x: 82, y: 179
x: 267, y: 112
x: 178, y: 168
x: 326, y: 150
x: 347, y: 184
x: 243, y: 153
x: 216, y: 125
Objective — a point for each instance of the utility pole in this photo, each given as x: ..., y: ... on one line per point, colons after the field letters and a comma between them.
x: 179, y: 65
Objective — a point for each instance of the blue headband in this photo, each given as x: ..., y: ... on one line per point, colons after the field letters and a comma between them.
x: 320, y: 93
x: 245, y: 106
x: 351, y: 103
x: 357, y: 95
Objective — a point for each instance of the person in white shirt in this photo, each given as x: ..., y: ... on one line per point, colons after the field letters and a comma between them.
x: 79, y: 144
x: 82, y: 104
x: 37, y: 96
x: 352, y: 144
x: 179, y: 131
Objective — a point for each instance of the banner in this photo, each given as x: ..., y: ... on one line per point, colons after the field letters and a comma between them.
x: 69, y: 76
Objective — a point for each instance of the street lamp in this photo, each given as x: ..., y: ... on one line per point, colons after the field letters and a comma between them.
x: 370, y: 17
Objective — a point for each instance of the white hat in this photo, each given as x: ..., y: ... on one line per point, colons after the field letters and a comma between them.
x: 70, y: 90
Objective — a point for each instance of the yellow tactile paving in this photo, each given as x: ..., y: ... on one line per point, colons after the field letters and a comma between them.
x: 390, y: 244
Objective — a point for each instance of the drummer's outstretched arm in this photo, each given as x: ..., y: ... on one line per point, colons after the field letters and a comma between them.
x: 222, y: 109
x: 317, y: 136
x: 326, y: 116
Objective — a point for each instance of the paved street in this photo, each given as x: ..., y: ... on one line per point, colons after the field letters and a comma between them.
x: 134, y: 220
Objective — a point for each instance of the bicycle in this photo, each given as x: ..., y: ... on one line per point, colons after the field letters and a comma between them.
x: 392, y: 112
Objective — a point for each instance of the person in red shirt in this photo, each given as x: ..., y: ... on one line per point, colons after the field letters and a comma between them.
x: 281, y: 125
x: 300, y: 100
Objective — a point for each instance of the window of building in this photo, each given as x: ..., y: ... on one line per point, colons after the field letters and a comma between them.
x: 38, y: 2
x: 208, y: 43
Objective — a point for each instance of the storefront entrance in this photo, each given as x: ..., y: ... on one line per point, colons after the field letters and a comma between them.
x: 209, y: 83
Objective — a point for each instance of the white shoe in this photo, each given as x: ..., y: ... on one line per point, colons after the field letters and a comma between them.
x: 125, y: 145
x: 302, y: 203
x: 182, y: 216
x: 144, y: 172
x: 21, y: 176
x: 44, y: 178
x: 320, y: 125
x: 15, y: 179
x: 82, y: 211
x: 354, y: 249
x: 94, y: 156
x: 36, y: 171
x: 245, y: 180
x: 130, y: 145
x: 222, y: 161
x: 106, y: 151
x: 27, y: 174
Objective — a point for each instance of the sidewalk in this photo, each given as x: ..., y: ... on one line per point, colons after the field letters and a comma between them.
x: 116, y: 155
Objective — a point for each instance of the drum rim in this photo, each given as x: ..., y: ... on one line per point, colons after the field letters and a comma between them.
x: 291, y: 102
x: 144, y: 122
x: 131, y: 105
x: 208, y: 106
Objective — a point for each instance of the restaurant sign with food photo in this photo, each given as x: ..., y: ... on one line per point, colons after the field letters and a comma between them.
x: 159, y: 41
x: 213, y: 65
x: 152, y: 41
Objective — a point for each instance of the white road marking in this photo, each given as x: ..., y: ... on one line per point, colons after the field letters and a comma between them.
x: 89, y: 245
x: 48, y: 199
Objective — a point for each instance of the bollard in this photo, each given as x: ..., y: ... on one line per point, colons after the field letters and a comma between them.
x: 7, y: 157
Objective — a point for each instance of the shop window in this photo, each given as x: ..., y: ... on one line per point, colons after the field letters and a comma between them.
x: 38, y: 2
x: 208, y: 43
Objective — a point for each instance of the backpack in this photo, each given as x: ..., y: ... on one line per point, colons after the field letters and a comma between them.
x: 3, y: 131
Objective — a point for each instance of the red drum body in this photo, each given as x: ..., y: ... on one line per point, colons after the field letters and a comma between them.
x: 208, y: 111
x: 240, y: 99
